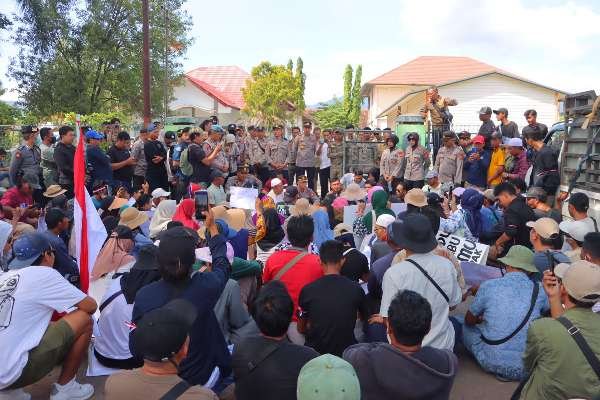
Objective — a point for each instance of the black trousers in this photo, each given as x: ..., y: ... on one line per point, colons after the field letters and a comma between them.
x: 138, y: 181
x: 324, y: 180
x: 414, y: 184
x: 263, y: 174
x: 436, y: 138
x: 283, y: 172
x: 310, y: 173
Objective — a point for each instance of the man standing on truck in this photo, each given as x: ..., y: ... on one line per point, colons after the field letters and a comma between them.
x: 436, y: 107
x: 508, y: 129
x: 531, y: 117
x: 545, y: 161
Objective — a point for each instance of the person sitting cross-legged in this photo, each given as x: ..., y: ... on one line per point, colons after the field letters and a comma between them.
x: 495, y: 337
x: 162, y: 339
x: 427, y: 373
x: 274, y: 376
x: 31, y: 345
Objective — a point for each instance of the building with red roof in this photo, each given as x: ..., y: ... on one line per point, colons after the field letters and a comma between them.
x: 207, y: 91
x: 472, y: 83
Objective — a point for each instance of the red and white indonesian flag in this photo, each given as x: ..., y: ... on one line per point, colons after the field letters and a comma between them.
x: 90, y: 233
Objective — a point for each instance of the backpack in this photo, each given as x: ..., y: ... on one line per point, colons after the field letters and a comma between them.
x: 184, y: 163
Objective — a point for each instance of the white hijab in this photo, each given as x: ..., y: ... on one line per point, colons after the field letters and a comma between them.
x: 162, y: 216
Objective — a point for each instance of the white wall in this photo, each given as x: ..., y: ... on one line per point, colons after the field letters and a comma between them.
x: 382, y: 97
x: 500, y: 91
x: 189, y: 95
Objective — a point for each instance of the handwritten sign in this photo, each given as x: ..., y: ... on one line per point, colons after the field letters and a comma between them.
x: 464, y: 249
x: 242, y: 197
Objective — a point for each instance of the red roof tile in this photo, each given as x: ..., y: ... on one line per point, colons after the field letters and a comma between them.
x: 224, y: 83
x: 433, y: 70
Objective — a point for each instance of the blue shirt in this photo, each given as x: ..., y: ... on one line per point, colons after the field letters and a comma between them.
x: 490, y: 217
x: 63, y: 262
x: 177, y: 150
x: 207, y: 345
x: 504, y: 302
x: 99, y: 162
x: 476, y: 171
x: 542, y: 260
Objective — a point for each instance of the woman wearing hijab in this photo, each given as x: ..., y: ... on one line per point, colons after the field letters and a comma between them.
x: 466, y: 221
x: 115, y: 253
x: 111, y: 344
x: 322, y: 232
x: 379, y: 203
x: 269, y: 234
x: 185, y: 214
x: 162, y: 216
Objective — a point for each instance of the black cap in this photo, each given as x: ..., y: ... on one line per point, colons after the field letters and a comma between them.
x: 501, y: 110
x: 214, y: 174
x: 449, y: 135
x: 464, y: 135
x: 123, y: 232
x: 243, y: 165
x: 251, y: 127
x: 177, y: 246
x: 170, y: 135
x: 260, y: 128
x: 161, y: 333
x: 26, y: 129
x: 307, y: 124
x: 485, y: 110
x: 580, y: 201
x: 277, y: 127
x: 231, y: 128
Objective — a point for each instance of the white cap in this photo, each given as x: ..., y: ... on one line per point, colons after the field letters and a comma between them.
x: 384, y: 220
x: 458, y: 191
x: 515, y: 142
x: 576, y: 229
x: 275, y: 182
x: 160, y: 192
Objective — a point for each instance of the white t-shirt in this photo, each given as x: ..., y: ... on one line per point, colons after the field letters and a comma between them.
x: 28, y: 297
x: 405, y: 276
x: 111, y: 331
x: 325, y: 161
x: 277, y: 198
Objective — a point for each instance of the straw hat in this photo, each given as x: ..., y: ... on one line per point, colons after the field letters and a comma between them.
x: 236, y: 218
x: 354, y: 192
x: 341, y: 229
x: 132, y: 218
x: 53, y: 191
x: 416, y: 197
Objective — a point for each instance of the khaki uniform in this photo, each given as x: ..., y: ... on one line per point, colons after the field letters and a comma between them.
x: 392, y: 163
x: 309, y: 195
x: 417, y: 161
x: 434, y: 114
x: 242, y: 144
x: 336, y: 155
x: 277, y: 152
x: 220, y: 162
x: 305, y: 148
x: 27, y: 160
x: 258, y: 151
x: 449, y: 164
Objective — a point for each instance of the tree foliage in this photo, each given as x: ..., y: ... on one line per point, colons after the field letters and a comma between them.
x: 91, y: 54
x: 8, y: 114
x: 332, y: 115
x: 301, y: 82
x: 272, y: 93
x: 348, y: 89
x: 356, y: 100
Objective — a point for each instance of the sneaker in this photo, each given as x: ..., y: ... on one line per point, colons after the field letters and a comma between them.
x: 72, y: 391
x: 16, y: 394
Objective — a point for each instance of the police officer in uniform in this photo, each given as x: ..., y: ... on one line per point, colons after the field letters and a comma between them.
x: 366, y: 151
x: 258, y: 154
x: 449, y: 160
x: 417, y: 161
x: 336, y: 154
x: 277, y: 153
x: 26, y: 159
x: 305, y: 148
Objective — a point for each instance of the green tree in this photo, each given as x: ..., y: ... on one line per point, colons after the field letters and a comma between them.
x: 92, y: 53
x: 271, y: 94
x: 356, y: 100
x: 347, y: 89
x: 301, y: 82
x: 332, y: 115
x: 8, y: 114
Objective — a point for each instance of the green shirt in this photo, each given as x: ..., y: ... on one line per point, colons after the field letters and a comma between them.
x: 557, y: 366
x: 216, y: 195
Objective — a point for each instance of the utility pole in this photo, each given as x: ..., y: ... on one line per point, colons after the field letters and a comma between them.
x: 166, y: 79
x: 146, y: 62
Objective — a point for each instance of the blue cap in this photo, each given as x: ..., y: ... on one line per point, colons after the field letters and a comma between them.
x: 151, y: 127
x: 225, y: 230
x: 27, y: 248
x: 217, y: 128
x: 91, y: 134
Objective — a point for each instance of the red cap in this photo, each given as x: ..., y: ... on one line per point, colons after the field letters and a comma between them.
x: 479, y: 139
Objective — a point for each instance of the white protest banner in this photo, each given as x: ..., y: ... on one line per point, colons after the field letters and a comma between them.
x: 464, y: 249
x: 350, y: 213
x: 242, y: 197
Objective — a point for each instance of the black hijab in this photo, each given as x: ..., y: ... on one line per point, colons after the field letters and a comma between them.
x: 143, y: 272
x: 274, y: 232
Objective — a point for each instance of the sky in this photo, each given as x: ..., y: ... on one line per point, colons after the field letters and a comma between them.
x: 553, y: 42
